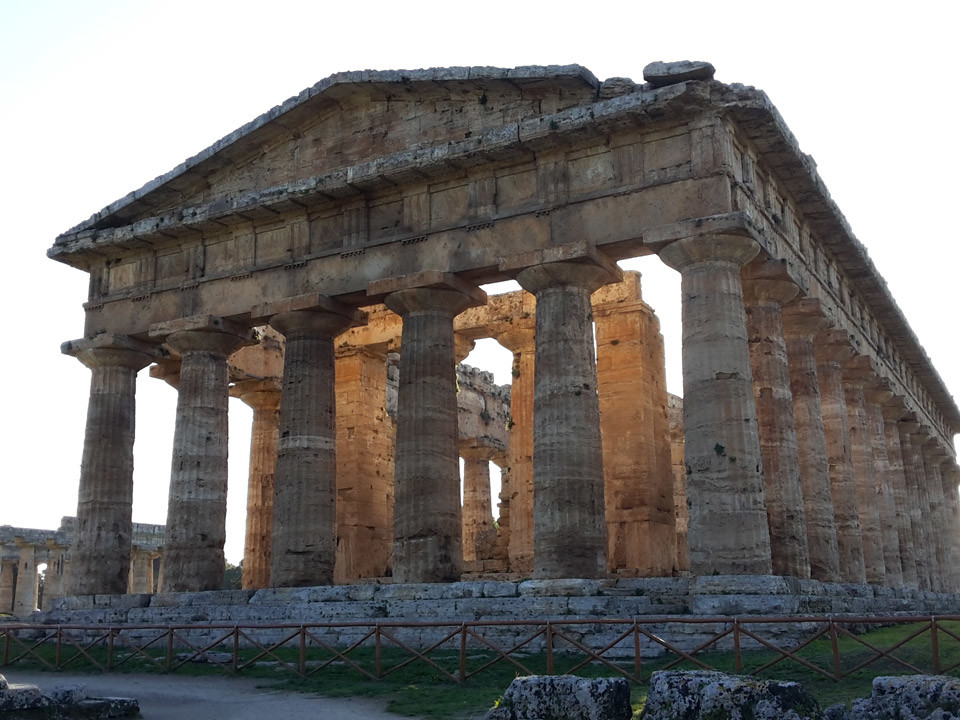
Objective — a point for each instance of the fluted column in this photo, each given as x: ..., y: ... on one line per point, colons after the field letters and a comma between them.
x: 477, y: 512
x: 101, y: 549
x: 263, y: 397
x: 934, y: 498
x: 25, y: 597
x: 426, y: 517
x: 365, y: 448
x: 833, y: 351
x: 803, y: 319
x: 892, y: 412
x: 728, y: 531
x: 197, y: 508
x: 304, y: 544
x: 569, y: 532
x: 856, y: 373
x: 876, y: 395
x: 520, y: 341
x: 8, y: 573
x: 913, y: 472
x: 631, y: 386
x: 765, y: 292
x: 141, y: 572
x: 951, y: 481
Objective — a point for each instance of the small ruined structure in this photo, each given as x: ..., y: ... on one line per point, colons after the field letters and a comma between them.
x: 360, y: 218
x: 23, y: 550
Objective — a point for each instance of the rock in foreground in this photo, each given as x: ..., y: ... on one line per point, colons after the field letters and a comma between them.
x: 26, y: 702
x: 910, y: 697
x: 705, y: 695
x: 564, y: 697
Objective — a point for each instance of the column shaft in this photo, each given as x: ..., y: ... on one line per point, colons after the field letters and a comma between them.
x: 728, y: 531
x: 911, y: 462
x: 569, y: 532
x: 8, y: 573
x: 196, y: 513
x: 884, y: 483
x: 951, y: 480
x: 935, y: 508
x: 426, y: 518
x: 25, y: 597
x: 477, y: 512
x: 908, y: 561
x: 101, y: 549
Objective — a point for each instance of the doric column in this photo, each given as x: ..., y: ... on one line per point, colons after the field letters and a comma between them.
x: 197, y: 508
x: 728, y: 530
x: 141, y: 572
x: 304, y: 543
x: 520, y: 341
x: 876, y: 395
x: 54, y: 579
x: 8, y: 574
x: 679, y: 468
x: 803, y: 319
x: 951, y: 480
x: 365, y: 442
x: 631, y: 386
x: 477, y: 512
x: 766, y: 288
x: 569, y: 532
x: 101, y: 546
x: 913, y: 472
x: 263, y: 397
x: 893, y: 411
x: 426, y: 515
x: 833, y: 351
x: 932, y: 457
x: 25, y: 597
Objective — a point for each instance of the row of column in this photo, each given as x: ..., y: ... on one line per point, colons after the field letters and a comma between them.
x: 741, y: 518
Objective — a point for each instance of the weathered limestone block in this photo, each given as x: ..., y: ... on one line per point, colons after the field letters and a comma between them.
x: 631, y: 383
x: 196, y: 513
x: 704, y: 695
x: 263, y: 396
x: 539, y: 697
x: 304, y: 543
x: 426, y: 520
x: 911, y: 697
x: 833, y: 350
x: 728, y: 530
x: 660, y: 73
x: 856, y: 373
x: 802, y: 320
x: 365, y: 446
x: 519, y: 339
x: 875, y: 396
x: 766, y: 290
x: 569, y: 532
x: 101, y: 551
x: 679, y: 470
x: 892, y: 412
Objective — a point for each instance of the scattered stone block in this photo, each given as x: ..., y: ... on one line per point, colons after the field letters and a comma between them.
x: 660, y: 74
x: 541, y: 697
x: 703, y: 695
x: 910, y: 697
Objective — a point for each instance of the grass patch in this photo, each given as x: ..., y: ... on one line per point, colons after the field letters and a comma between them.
x: 417, y: 688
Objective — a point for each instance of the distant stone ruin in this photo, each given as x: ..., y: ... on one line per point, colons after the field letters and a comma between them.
x: 288, y: 262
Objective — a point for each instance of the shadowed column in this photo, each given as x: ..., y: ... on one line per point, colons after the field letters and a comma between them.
x: 8, y: 572
x: 102, y: 544
x: 951, y: 480
x: 304, y: 544
x: 906, y: 428
x: 197, y: 508
x: 876, y: 394
x: 803, y: 319
x: 263, y: 396
x: 25, y: 597
x: 893, y: 411
x: 932, y: 456
x: 569, y: 533
x: 426, y: 516
x: 477, y: 512
x: 833, y: 350
x: 728, y: 530
x: 766, y: 289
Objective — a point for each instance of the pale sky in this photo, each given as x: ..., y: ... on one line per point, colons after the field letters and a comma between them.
x: 100, y: 96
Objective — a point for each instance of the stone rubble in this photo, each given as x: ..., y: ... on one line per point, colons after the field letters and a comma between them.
x: 67, y: 702
x: 563, y: 697
x: 910, y: 697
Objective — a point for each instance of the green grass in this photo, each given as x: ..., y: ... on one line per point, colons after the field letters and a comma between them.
x: 420, y: 689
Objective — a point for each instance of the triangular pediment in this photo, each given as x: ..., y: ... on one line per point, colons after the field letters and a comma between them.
x: 352, y: 118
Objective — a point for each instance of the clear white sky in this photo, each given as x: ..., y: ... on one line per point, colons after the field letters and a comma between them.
x: 100, y: 96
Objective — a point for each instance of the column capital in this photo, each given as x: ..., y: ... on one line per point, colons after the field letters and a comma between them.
x: 519, y: 338
x: 312, y: 322
x: 202, y: 333
x: 833, y: 347
x: 428, y: 290
x: 258, y: 394
x: 167, y: 370
x: 473, y: 451
x: 804, y: 318
x: 730, y: 249
x: 321, y: 305
x: 767, y: 282
x: 562, y: 265
x: 859, y: 371
x: 462, y: 346
x: 112, y: 350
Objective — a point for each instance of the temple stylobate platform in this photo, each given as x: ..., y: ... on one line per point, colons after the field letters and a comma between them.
x: 360, y: 218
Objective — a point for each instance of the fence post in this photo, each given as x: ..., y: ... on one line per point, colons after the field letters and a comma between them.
x: 463, y: 652
x: 935, y: 645
x: 377, y: 643
x: 302, y: 666
x: 169, y: 649
x: 110, y: 649
x: 737, y: 656
x: 59, y: 655
x: 637, y: 660
x: 236, y: 648
x: 6, y: 648
x: 836, y: 649
x: 549, y: 637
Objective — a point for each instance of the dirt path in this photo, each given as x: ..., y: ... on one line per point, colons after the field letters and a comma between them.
x: 165, y: 697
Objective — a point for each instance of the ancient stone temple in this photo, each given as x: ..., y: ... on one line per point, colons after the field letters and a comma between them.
x: 291, y: 261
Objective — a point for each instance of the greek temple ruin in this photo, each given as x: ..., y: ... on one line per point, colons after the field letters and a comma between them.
x: 292, y: 261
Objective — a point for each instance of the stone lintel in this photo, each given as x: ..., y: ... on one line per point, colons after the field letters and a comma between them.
x: 202, y: 323
x: 261, y: 314
x: 379, y: 289
x: 113, y: 341
x: 578, y: 252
